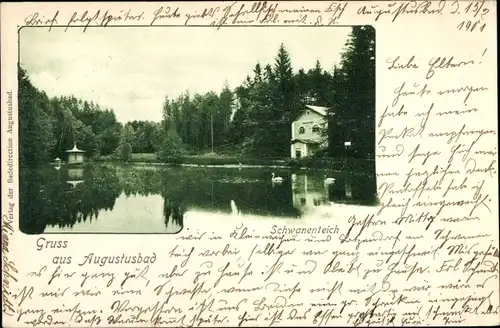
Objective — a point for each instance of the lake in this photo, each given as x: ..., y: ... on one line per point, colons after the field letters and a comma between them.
x: 109, y: 198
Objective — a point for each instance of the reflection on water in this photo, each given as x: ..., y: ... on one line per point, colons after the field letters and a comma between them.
x: 143, y: 199
x: 76, y: 176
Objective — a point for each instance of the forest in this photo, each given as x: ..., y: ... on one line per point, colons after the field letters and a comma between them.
x: 251, y: 120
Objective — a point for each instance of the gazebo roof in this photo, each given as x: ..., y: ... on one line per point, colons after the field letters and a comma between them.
x: 75, y: 150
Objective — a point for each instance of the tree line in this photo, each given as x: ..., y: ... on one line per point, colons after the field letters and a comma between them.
x: 256, y: 116
x: 252, y: 119
x: 48, y: 127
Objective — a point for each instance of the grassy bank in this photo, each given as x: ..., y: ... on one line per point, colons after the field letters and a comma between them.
x: 206, y: 159
x: 334, y: 164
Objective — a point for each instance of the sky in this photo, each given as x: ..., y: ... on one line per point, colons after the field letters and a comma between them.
x: 130, y: 70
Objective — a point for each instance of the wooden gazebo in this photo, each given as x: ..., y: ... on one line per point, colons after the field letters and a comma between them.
x: 75, y: 155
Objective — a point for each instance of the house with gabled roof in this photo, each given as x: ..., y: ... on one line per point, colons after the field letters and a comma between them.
x: 307, y: 131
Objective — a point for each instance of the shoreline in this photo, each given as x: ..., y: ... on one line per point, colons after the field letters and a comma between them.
x: 228, y: 166
x: 334, y: 165
x: 231, y: 166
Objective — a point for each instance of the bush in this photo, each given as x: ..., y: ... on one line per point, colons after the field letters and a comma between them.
x: 144, y: 157
x: 124, y: 151
x: 292, y: 162
x: 104, y: 158
x: 171, y: 147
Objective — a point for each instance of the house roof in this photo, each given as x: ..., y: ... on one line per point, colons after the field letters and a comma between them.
x: 306, y: 141
x: 318, y: 109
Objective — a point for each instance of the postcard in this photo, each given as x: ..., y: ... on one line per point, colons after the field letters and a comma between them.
x: 250, y: 164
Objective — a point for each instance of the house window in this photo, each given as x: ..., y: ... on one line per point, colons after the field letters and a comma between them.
x: 302, y: 130
x: 315, y: 128
x: 298, y: 154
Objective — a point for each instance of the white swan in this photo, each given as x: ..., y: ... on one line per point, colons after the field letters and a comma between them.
x: 234, y: 208
x: 348, y: 191
x: 329, y: 180
x: 276, y: 179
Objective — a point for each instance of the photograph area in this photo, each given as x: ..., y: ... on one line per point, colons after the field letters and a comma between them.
x: 134, y: 130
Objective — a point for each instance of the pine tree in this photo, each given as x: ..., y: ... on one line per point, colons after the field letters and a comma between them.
x: 226, y: 100
x: 283, y: 85
x: 318, y: 84
x: 258, y: 74
x: 353, y: 102
x: 284, y: 103
x: 168, y: 119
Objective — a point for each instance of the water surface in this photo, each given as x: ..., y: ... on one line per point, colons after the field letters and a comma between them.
x: 109, y: 198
